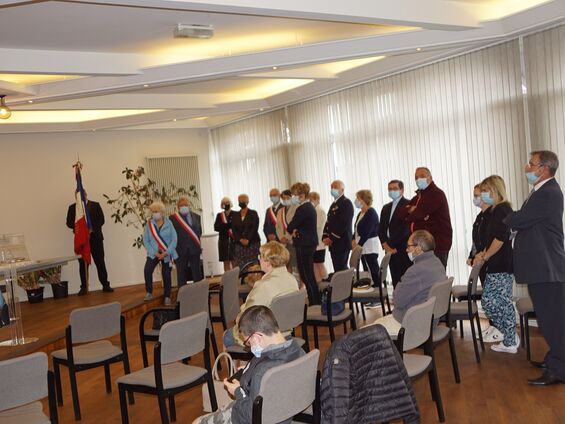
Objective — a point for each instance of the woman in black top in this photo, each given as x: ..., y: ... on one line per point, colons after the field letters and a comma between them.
x: 305, y: 238
x: 223, y: 225
x: 497, y: 257
x: 479, y: 230
x: 245, y: 224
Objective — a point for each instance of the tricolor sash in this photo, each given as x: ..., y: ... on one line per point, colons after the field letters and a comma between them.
x: 272, y: 216
x: 160, y: 242
x: 283, y: 220
x: 225, y: 221
x: 187, y: 228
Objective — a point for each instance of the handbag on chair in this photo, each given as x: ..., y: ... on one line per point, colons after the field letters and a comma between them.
x: 222, y: 395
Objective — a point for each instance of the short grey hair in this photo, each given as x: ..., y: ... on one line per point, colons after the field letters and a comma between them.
x: 224, y: 201
x: 157, y: 205
x: 548, y: 158
x: 339, y: 183
x: 184, y: 197
x: 424, y: 239
x: 425, y: 169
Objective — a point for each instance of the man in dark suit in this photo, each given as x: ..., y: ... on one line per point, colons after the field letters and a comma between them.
x: 337, y: 231
x: 428, y: 210
x: 270, y: 224
x: 96, y: 245
x: 539, y: 259
x: 394, y: 233
x: 189, y: 230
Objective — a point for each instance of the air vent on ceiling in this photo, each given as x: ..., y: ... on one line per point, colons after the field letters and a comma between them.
x: 193, y: 31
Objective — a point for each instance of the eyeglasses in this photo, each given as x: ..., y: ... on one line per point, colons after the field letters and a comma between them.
x: 538, y: 165
x: 246, y: 342
x: 411, y: 245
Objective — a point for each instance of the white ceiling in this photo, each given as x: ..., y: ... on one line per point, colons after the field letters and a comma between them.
x: 121, y: 54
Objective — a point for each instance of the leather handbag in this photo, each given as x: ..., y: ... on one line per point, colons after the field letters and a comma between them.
x: 222, y: 395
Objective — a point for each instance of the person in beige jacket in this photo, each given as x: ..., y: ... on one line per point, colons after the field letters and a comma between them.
x: 277, y: 281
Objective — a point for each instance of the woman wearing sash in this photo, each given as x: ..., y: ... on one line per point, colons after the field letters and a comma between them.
x: 245, y: 226
x: 223, y: 225
x: 160, y: 241
x: 284, y: 216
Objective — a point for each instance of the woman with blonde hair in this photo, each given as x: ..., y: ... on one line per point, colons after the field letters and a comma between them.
x: 497, y: 258
x: 320, y: 271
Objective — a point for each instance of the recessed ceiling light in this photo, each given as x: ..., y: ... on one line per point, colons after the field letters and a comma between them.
x: 30, y: 101
x: 146, y: 85
x: 262, y: 109
x: 419, y: 49
x: 175, y: 120
x: 275, y: 68
x: 93, y: 129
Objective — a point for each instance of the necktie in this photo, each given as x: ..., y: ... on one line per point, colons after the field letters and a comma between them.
x: 189, y: 219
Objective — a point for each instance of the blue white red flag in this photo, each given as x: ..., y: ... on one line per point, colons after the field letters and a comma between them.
x: 82, y: 219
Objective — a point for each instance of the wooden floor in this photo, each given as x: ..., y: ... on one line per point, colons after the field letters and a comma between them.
x: 493, y: 392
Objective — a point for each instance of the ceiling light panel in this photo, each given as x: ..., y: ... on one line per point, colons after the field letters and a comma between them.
x: 70, y: 116
x: 31, y: 79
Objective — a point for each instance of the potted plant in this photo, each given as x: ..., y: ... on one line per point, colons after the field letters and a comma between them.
x: 30, y: 283
x: 53, y: 276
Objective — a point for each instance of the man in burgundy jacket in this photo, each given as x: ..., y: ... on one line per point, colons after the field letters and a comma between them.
x: 428, y: 210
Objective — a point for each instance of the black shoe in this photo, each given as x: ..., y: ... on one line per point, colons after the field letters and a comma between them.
x: 546, y: 379
x: 107, y: 289
x: 82, y: 291
x: 537, y: 364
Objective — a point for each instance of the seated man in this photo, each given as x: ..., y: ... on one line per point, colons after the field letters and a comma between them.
x: 259, y: 328
x: 416, y: 282
x: 277, y: 281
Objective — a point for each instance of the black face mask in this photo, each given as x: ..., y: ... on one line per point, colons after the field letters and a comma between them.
x: 227, y: 207
x: 242, y: 205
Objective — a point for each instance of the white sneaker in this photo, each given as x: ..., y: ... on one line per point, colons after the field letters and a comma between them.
x: 148, y: 296
x: 499, y: 347
x: 494, y: 336
x: 167, y: 301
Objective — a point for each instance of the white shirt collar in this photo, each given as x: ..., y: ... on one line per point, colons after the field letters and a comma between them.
x: 538, y: 185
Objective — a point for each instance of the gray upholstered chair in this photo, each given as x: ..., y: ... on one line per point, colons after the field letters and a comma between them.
x: 526, y: 311
x: 376, y: 294
x: 178, y: 340
x: 191, y: 299
x: 290, y: 311
x: 468, y: 310
x: 24, y: 381
x: 442, y: 292
x: 339, y: 290
x: 287, y: 390
x: 89, y: 328
x: 416, y: 331
x: 228, y: 307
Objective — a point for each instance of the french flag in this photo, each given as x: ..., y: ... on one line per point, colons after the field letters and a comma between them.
x: 82, y: 220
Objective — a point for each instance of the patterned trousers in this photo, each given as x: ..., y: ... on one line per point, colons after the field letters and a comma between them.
x: 498, y: 306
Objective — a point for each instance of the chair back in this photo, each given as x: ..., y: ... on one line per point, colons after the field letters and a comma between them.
x: 341, y: 284
x: 384, y: 268
x: 95, y: 323
x: 417, y: 324
x: 24, y: 380
x: 289, y: 389
x: 355, y: 258
x: 442, y: 292
x: 183, y: 337
x: 230, y: 294
x: 193, y: 298
x: 289, y: 309
x: 474, y: 278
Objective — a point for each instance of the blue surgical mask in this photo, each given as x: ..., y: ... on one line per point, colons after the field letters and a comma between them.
x: 394, y: 194
x: 422, y: 183
x: 256, y: 350
x: 295, y: 200
x: 532, y: 177
x: 275, y: 199
x: 184, y: 210
x: 156, y: 216
x: 285, y: 202
x: 487, y: 198
x: 477, y: 201
x: 357, y: 204
x: 335, y: 193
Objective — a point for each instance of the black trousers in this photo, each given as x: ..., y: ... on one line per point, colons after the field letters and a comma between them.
x: 97, y: 252
x: 549, y: 303
x: 305, y: 264
x: 150, y: 265
x: 443, y: 256
x: 371, y: 264
x: 340, y: 258
x: 399, y: 263
x: 183, y: 263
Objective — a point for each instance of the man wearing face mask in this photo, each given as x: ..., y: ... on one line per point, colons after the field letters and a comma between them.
x: 394, y: 233
x: 539, y: 259
x: 428, y: 210
x: 416, y: 282
x: 260, y: 330
x: 270, y: 224
x: 337, y: 231
x: 189, y: 230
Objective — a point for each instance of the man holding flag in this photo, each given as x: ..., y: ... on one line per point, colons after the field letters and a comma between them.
x: 189, y: 230
x: 86, y: 219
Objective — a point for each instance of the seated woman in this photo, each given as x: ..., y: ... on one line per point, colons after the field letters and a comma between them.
x: 160, y: 241
x: 260, y: 330
x: 277, y: 281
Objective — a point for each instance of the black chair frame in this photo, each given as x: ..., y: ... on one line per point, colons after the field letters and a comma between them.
x: 52, y: 398
x: 359, y: 300
x: 452, y: 350
x: 471, y: 298
x: 525, y: 332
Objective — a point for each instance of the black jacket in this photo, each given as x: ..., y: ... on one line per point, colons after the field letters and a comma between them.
x: 247, y: 228
x: 394, y: 231
x: 501, y: 261
x: 539, y: 256
x: 96, y: 219
x: 222, y: 228
x: 250, y: 381
x: 338, y: 224
x: 364, y: 380
x: 304, y: 221
x: 185, y: 244
x: 269, y: 227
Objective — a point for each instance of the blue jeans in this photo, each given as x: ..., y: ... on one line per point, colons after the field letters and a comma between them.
x: 150, y: 265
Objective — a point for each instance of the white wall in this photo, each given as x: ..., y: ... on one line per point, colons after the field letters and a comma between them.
x: 37, y: 186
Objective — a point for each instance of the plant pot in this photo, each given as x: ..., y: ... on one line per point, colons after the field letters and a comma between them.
x: 60, y: 289
x: 35, y: 295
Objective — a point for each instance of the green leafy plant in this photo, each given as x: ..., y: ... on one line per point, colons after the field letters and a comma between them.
x: 131, y: 206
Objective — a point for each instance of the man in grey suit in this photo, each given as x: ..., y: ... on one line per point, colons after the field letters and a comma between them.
x: 539, y: 259
x: 189, y: 230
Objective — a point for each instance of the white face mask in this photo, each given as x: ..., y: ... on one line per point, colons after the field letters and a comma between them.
x: 156, y: 216
x: 411, y: 256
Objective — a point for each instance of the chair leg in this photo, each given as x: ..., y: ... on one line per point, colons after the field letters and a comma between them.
x: 74, y: 393
x: 332, y: 333
x: 388, y: 304
x: 127, y: 370
x: 475, y: 346
x: 527, y: 337
x: 454, y: 358
x: 461, y: 329
x: 480, y: 332
x: 437, y: 395
x: 107, y: 378
x: 212, y: 392
x: 163, y: 408
x: 144, y: 353
x: 305, y: 337
x: 522, y: 341
x: 344, y: 328
x: 123, y: 404
x: 356, y: 307
x: 316, y: 345
x: 172, y: 409
x: 363, y: 311
x: 214, y: 346
x: 59, y: 390
x: 353, y: 323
